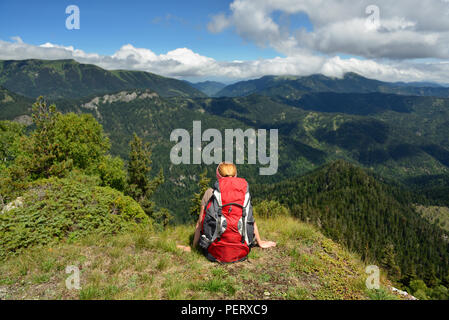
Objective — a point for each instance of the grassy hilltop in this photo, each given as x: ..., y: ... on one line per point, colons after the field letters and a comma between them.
x: 146, y: 264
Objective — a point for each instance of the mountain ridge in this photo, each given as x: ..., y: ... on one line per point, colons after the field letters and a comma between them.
x: 69, y: 79
x: 210, y: 88
x: 293, y: 87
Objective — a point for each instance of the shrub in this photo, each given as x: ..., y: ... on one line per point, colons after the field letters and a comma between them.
x: 59, y: 143
x: 112, y: 173
x: 270, y: 209
x: 419, y: 289
x: 55, y: 209
x: 10, y: 132
x: 440, y: 292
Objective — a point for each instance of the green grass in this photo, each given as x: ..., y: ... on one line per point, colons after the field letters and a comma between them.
x: 146, y: 265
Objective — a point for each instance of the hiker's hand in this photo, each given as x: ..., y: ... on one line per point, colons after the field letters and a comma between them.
x: 267, y: 244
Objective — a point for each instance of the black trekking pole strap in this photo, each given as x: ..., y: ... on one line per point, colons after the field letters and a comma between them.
x: 219, y: 221
x: 243, y: 225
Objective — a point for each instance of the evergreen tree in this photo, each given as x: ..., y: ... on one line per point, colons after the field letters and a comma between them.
x: 446, y: 280
x: 431, y: 277
x: 140, y: 186
x: 410, y: 275
x: 163, y: 217
x: 388, y: 262
x: 203, y: 184
x: 43, y: 154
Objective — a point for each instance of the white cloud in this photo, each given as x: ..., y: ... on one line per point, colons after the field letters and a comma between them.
x: 409, y: 29
x: 184, y: 63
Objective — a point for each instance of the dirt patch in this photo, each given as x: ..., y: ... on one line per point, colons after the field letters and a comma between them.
x: 265, y: 277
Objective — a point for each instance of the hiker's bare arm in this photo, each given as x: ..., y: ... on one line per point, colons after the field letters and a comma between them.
x: 196, y: 237
x: 261, y: 243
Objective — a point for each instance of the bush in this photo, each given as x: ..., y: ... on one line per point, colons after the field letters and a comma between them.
x: 112, y: 173
x: 270, y: 209
x: 55, y: 209
x: 440, y: 293
x: 419, y: 289
x: 80, y: 138
x: 10, y: 132
x: 60, y: 143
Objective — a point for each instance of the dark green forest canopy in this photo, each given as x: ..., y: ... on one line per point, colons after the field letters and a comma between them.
x: 366, y: 215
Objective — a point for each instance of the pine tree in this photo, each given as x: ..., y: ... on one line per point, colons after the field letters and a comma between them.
x: 140, y: 186
x: 203, y: 184
x: 431, y: 278
x: 388, y: 261
x: 46, y: 153
x: 410, y: 275
x: 163, y: 217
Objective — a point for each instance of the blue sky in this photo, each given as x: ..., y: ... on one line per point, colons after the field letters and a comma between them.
x: 107, y: 25
x: 231, y: 40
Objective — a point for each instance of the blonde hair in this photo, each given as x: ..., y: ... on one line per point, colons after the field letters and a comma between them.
x: 227, y: 169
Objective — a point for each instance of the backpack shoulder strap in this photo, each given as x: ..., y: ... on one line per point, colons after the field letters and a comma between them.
x: 217, y: 195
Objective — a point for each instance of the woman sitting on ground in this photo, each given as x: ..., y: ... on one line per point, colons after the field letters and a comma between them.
x: 225, y: 170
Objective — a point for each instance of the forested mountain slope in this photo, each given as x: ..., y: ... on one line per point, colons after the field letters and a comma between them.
x: 374, y: 219
x: 406, y: 146
x: 293, y: 87
x: 69, y: 79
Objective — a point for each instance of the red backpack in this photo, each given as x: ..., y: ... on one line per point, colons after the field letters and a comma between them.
x: 227, y: 233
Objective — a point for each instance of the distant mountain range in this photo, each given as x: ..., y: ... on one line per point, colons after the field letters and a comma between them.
x: 293, y: 87
x: 208, y: 87
x: 70, y: 79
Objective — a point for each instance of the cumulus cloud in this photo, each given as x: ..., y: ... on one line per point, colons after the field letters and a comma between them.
x: 184, y: 63
x: 405, y: 29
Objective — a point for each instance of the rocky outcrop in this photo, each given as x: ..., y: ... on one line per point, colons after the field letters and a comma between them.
x: 123, y: 96
x: 403, y: 294
x: 24, y: 119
